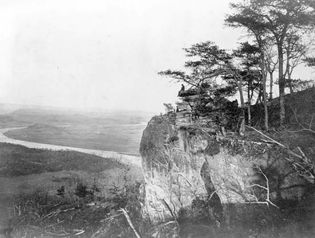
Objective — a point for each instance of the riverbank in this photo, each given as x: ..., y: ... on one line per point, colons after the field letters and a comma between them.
x: 122, y: 158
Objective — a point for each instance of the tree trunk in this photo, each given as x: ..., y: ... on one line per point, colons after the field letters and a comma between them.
x: 290, y: 83
x: 271, y: 86
x: 258, y: 97
x: 240, y: 89
x: 265, y: 102
x: 288, y: 74
x: 281, y: 84
x: 264, y: 79
x: 249, y: 116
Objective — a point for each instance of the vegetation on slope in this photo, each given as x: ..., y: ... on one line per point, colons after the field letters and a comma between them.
x: 52, y: 193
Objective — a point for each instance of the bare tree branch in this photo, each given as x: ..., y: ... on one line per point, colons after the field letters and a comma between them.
x: 304, y: 167
x: 130, y: 222
x: 266, y: 188
x: 308, y: 129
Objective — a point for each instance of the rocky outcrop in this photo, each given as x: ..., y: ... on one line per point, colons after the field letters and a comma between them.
x: 186, y: 164
x: 171, y: 166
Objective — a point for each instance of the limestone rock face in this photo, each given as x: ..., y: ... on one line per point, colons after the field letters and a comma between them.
x: 171, y: 164
x: 186, y: 164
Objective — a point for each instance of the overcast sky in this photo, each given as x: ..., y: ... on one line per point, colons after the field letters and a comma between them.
x: 102, y: 54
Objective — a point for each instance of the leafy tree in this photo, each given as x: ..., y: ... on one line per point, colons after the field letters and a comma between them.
x: 236, y: 71
x: 249, y: 56
x: 277, y: 19
x: 271, y: 65
x: 61, y: 191
x: 82, y: 190
x: 203, y: 73
x: 260, y: 35
x: 295, y: 51
x: 310, y: 61
x: 204, y: 65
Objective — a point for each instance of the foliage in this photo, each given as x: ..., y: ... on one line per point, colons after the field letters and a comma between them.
x: 61, y: 191
x: 206, y: 62
x: 207, y: 70
x: 211, y: 72
x: 43, y: 214
x: 279, y: 22
x: 310, y: 61
x: 82, y: 190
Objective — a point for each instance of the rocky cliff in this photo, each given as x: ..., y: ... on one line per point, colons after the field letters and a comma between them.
x: 185, y: 166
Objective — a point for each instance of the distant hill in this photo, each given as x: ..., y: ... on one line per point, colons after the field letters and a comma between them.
x: 16, y: 115
x: 51, y: 116
x: 8, y: 108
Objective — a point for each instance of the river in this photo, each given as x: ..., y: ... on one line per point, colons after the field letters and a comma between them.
x: 125, y: 159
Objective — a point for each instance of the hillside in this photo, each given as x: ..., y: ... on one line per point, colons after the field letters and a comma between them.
x: 300, y: 107
x: 35, y: 181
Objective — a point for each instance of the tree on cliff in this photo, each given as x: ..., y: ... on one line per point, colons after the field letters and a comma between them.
x: 260, y: 35
x: 249, y: 57
x: 275, y: 19
x: 213, y: 73
x: 295, y: 50
x: 203, y: 70
x: 203, y: 65
x: 271, y: 66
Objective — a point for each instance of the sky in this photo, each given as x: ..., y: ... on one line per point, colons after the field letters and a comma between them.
x: 102, y: 54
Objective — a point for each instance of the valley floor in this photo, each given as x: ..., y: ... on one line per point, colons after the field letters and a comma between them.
x: 127, y: 159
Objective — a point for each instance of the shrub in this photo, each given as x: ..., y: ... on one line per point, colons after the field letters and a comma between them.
x: 61, y: 191
x: 82, y: 191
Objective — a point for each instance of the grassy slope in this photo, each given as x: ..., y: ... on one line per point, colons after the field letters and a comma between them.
x: 299, y: 107
x: 31, y: 177
x: 24, y: 170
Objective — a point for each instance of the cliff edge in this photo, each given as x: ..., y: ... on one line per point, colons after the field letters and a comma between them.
x: 191, y: 172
